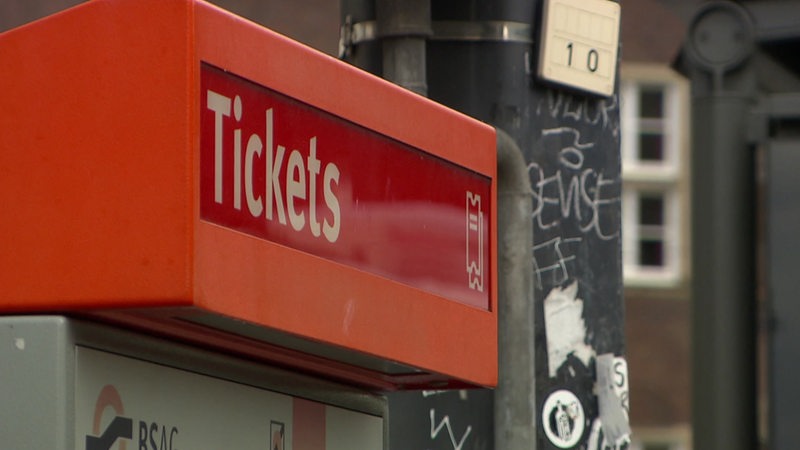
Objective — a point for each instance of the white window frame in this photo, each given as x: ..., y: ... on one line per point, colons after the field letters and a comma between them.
x: 669, y: 273
x: 674, y: 438
x: 668, y: 177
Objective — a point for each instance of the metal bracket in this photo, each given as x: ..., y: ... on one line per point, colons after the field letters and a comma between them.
x: 352, y: 34
x: 487, y: 31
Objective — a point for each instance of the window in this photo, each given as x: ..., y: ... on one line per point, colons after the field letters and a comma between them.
x: 655, y: 174
x: 651, y: 230
x: 651, y: 123
x: 650, y: 251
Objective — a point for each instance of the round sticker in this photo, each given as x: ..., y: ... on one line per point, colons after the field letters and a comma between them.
x: 563, y: 419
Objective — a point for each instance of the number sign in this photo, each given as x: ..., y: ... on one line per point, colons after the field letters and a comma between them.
x: 579, y: 44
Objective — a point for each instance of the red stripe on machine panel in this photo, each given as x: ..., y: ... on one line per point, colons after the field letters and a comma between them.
x: 287, y: 172
x: 308, y: 420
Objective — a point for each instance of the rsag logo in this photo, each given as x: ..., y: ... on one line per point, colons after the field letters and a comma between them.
x: 151, y: 435
x: 120, y: 428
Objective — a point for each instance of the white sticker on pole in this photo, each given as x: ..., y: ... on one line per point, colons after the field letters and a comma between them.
x: 579, y: 42
x: 563, y: 419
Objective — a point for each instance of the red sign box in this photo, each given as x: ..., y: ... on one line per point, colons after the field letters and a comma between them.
x: 287, y: 172
x: 200, y: 177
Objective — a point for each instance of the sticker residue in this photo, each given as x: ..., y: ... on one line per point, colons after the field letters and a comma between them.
x: 611, y: 380
x: 565, y: 328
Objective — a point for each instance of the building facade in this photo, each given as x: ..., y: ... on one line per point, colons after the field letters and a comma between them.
x: 655, y: 122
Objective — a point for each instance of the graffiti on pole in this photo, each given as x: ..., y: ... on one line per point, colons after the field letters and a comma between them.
x: 574, y: 169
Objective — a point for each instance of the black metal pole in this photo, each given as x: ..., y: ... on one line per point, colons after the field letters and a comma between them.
x: 403, y: 27
x: 723, y: 294
x: 481, y: 60
x: 576, y: 252
x: 716, y: 57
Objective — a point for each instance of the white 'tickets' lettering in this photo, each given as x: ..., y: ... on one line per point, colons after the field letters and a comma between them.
x: 331, y: 230
x: 221, y: 106
x: 300, y: 174
x: 253, y: 203
x: 313, y: 171
x: 295, y: 189
x: 273, y: 172
x: 237, y: 155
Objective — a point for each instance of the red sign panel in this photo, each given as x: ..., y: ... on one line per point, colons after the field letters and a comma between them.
x: 287, y: 172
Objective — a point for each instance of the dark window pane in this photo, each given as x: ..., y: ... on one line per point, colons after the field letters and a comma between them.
x: 651, y: 147
x: 651, y: 102
x: 651, y: 210
x: 651, y: 253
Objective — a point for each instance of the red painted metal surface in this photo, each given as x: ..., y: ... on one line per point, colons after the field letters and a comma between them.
x: 104, y: 167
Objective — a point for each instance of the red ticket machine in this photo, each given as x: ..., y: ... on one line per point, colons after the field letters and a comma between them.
x: 168, y: 167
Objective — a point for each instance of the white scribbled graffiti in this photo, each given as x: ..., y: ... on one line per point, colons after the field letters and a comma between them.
x: 445, y: 423
x: 553, y: 256
x: 573, y: 191
x: 590, y: 111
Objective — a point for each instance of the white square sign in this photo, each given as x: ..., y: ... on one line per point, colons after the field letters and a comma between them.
x: 579, y: 42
